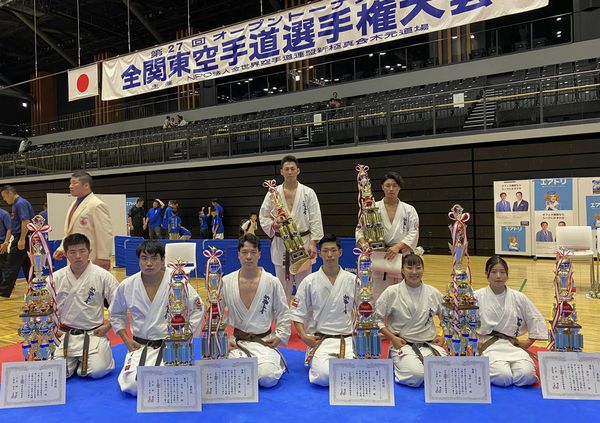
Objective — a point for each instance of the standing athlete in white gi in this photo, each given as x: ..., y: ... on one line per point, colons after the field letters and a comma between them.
x: 322, y: 311
x: 505, y: 315
x: 303, y: 206
x: 401, y: 229
x: 146, y: 296
x: 254, y: 298
x: 82, y: 290
x: 409, y: 308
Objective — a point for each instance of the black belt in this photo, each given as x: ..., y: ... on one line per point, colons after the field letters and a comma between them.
x: 240, y: 335
x: 156, y: 344
x: 499, y: 335
x: 86, y: 345
x: 323, y: 337
x: 277, y: 234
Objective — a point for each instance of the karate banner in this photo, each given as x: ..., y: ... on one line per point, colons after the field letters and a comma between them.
x: 555, y: 200
x: 512, y: 217
x: 589, y: 203
x: 315, y: 29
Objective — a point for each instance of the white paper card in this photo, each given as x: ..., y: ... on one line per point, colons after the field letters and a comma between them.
x: 570, y: 375
x: 361, y: 382
x: 457, y: 379
x: 229, y: 381
x: 165, y: 389
x: 33, y: 383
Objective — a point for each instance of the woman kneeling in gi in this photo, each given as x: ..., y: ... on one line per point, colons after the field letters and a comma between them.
x: 407, y: 309
x: 505, y: 315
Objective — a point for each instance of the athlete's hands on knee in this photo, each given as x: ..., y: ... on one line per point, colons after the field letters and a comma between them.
x: 310, y: 340
x: 398, y: 342
x: 273, y: 342
x: 102, y: 330
x: 132, y: 345
x: 232, y: 344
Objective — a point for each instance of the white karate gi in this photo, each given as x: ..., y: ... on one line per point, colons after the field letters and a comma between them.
x: 409, y: 312
x: 512, y: 314
x: 268, y: 304
x: 327, y: 309
x: 148, y: 321
x: 306, y: 213
x: 80, y: 304
x: 404, y: 228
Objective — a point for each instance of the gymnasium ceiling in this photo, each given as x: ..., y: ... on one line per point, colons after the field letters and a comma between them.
x: 103, y: 28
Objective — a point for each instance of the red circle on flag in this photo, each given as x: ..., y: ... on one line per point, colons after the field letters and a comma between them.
x: 83, y: 82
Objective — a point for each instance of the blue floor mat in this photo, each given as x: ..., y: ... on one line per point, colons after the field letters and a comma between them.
x: 295, y: 399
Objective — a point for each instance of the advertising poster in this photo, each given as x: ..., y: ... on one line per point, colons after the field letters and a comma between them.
x: 512, y: 217
x: 589, y: 204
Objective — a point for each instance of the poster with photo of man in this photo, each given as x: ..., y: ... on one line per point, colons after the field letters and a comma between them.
x: 589, y: 203
x: 512, y: 217
x: 555, y: 200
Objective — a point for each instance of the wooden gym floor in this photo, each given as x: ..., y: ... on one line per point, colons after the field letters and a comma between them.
x: 539, y: 289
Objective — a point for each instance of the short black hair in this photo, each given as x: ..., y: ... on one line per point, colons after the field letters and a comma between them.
x: 395, y: 176
x: 329, y: 238
x: 76, y: 239
x: 253, y: 213
x: 251, y: 238
x: 289, y: 158
x: 150, y: 247
x: 9, y: 188
x: 413, y: 259
x: 83, y: 176
x: 139, y: 200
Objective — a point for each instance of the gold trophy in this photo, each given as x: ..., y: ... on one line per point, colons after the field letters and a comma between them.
x: 214, y: 342
x: 288, y: 231
x: 39, y: 320
x: 369, y: 217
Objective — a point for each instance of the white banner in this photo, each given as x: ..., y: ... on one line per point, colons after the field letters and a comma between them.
x: 83, y: 82
x: 311, y: 30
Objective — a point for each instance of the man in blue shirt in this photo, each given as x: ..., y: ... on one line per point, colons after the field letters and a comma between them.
x: 17, y: 257
x: 5, y: 234
x: 203, y: 218
x: 154, y: 219
x: 44, y: 213
x: 217, y: 225
x: 168, y: 212
x: 503, y: 205
x: 217, y: 207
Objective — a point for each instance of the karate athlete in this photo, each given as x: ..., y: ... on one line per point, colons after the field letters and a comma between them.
x: 322, y: 311
x: 82, y: 290
x: 401, y: 229
x: 409, y: 307
x: 254, y: 298
x: 505, y: 315
x: 146, y: 296
x: 303, y: 206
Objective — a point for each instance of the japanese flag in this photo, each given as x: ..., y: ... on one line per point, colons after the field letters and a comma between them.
x: 83, y: 82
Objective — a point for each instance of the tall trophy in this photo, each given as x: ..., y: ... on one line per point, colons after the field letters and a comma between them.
x: 178, y: 348
x: 296, y: 258
x: 460, y: 311
x: 214, y: 342
x: 365, y: 335
x: 39, y: 319
x: 564, y: 329
x: 369, y: 217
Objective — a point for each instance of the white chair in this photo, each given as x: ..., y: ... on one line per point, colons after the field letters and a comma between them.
x: 184, y: 251
x: 579, y: 240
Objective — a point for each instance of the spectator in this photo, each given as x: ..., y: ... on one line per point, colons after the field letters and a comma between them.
x: 217, y: 206
x: 137, y: 220
x: 184, y: 233
x: 203, y: 218
x: 217, y: 225
x: 334, y: 102
x: 249, y: 226
x: 24, y: 145
x: 174, y: 225
x: 154, y: 219
x: 181, y: 121
x: 170, y: 206
x: 44, y: 213
x: 167, y: 123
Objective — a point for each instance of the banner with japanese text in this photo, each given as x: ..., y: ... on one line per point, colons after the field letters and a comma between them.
x: 589, y: 204
x: 312, y: 30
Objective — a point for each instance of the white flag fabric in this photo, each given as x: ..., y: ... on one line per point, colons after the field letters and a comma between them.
x: 83, y: 82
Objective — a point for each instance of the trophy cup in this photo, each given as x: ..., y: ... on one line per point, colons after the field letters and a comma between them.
x: 369, y: 217
x: 365, y: 335
x: 564, y: 329
x: 39, y: 320
x: 460, y: 319
x: 178, y: 348
x: 214, y: 342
